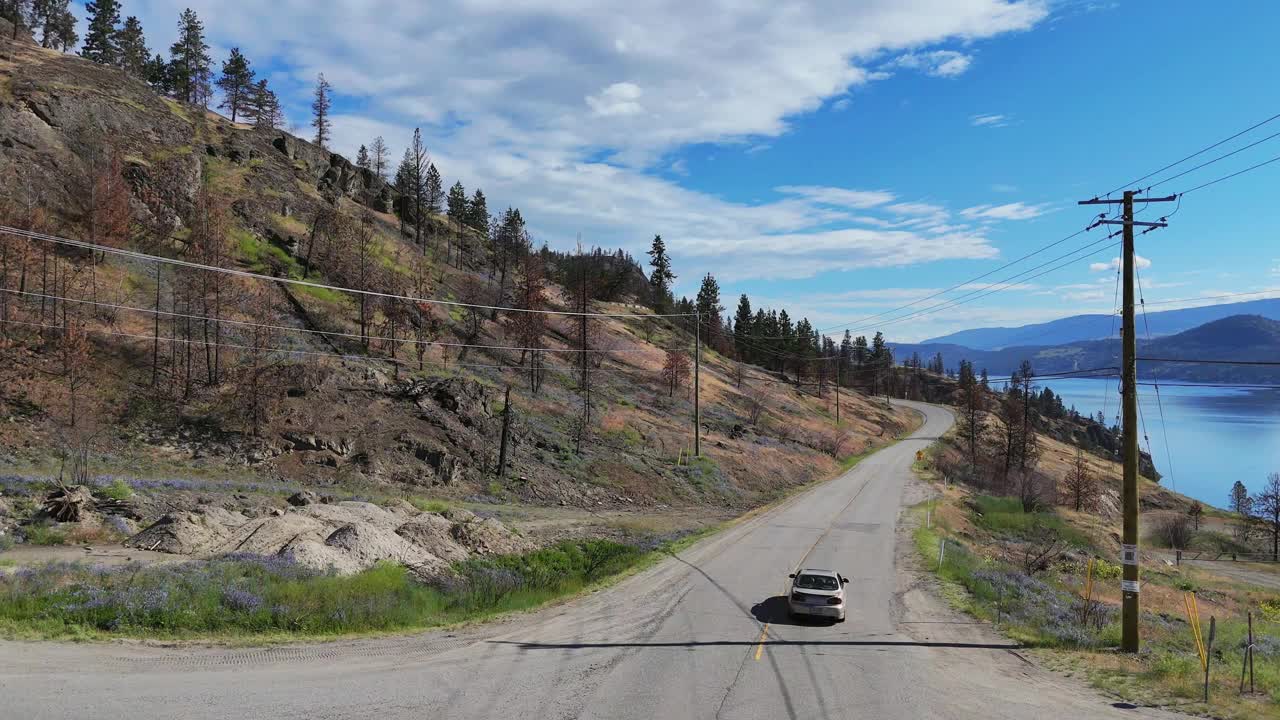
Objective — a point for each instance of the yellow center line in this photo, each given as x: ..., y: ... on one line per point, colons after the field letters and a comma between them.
x: 760, y: 645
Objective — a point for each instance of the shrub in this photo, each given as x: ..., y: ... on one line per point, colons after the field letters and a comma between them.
x: 118, y: 490
x: 44, y: 534
x: 1174, y: 530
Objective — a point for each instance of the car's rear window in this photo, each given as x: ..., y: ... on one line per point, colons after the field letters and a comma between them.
x: 817, y: 582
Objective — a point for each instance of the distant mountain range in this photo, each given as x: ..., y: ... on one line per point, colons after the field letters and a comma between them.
x: 1099, y: 327
x: 1238, y: 337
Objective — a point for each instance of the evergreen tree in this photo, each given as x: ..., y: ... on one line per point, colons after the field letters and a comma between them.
x: 320, y: 112
x: 661, y: 277
x: 1241, y: 504
x: 189, y: 67
x: 708, y: 305
x: 411, y: 179
x: 457, y: 204
x: 57, y: 24
x: 435, y: 190
x: 236, y: 84
x: 134, y: 55
x: 362, y: 158
x: 379, y: 157
x: 478, y: 212
x: 742, y: 330
x: 160, y: 75
x: 101, y: 44
x: 16, y: 12
x: 265, y: 106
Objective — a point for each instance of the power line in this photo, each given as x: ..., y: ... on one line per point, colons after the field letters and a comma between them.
x: 1199, y: 361
x: 1164, y: 428
x: 307, y: 283
x: 233, y: 346
x: 1004, y: 285
x: 1215, y: 297
x: 329, y: 333
x: 1194, y: 154
x: 1228, y: 177
x: 1210, y: 162
x: 956, y: 286
x: 1228, y: 386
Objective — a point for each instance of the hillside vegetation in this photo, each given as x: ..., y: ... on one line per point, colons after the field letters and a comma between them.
x: 189, y: 387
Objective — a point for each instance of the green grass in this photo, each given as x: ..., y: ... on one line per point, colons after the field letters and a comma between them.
x: 438, y: 507
x: 42, y: 534
x: 268, y: 597
x: 1005, y: 516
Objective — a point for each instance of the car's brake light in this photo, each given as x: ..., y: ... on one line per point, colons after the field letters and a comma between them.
x: 834, y: 601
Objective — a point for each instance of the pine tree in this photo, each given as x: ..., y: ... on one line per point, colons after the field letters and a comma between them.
x: 265, y: 106
x: 1241, y: 504
x: 478, y: 212
x: 160, y: 75
x: 134, y: 55
x: 709, y: 308
x: 411, y: 183
x: 742, y: 326
x: 57, y: 24
x: 236, y: 84
x: 16, y: 12
x: 379, y: 157
x: 190, y: 66
x: 435, y: 190
x: 362, y: 157
x: 457, y: 201
x: 101, y: 44
x: 661, y: 277
x: 320, y: 111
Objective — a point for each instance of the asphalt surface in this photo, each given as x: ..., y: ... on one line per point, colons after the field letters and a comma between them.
x: 701, y: 635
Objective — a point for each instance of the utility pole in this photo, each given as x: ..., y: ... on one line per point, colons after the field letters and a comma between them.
x: 697, y: 384
x: 1129, y: 586
x: 506, y: 430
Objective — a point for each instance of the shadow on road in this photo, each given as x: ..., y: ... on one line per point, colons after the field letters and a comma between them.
x: 754, y: 642
x: 774, y: 611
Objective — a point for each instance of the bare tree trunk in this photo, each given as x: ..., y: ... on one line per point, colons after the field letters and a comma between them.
x: 155, y: 340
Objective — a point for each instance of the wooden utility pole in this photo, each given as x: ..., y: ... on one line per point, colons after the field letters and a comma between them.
x: 506, y: 430
x: 1129, y: 586
x: 837, y: 394
x: 697, y: 384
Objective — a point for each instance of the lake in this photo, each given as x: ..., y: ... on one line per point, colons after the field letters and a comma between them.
x: 1216, y: 435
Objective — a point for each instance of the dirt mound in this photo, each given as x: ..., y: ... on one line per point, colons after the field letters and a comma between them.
x: 489, y: 537
x: 435, y: 534
x: 198, y: 532
x: 347, y: 536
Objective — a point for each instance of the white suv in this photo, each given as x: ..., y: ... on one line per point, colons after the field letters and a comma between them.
x: 817, y: 593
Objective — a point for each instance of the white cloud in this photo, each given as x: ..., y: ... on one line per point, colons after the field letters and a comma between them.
x: 938, y: 63
x: 841, y: 105
x: 840, y: 197
x: 989, y: 120
x: 1139, y: 262
x: 917, y: 208
x: 571, y: 109
x: 620, y: 98
x: 758, y: 148
x: 1008, y: 211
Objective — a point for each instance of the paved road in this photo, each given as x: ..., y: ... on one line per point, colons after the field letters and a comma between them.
x: 702, y: 635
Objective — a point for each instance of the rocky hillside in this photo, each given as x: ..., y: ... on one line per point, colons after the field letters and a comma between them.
x: 149, y: 370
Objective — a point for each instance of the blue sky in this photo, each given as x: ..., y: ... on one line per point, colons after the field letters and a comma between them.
x: 835, y: 158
